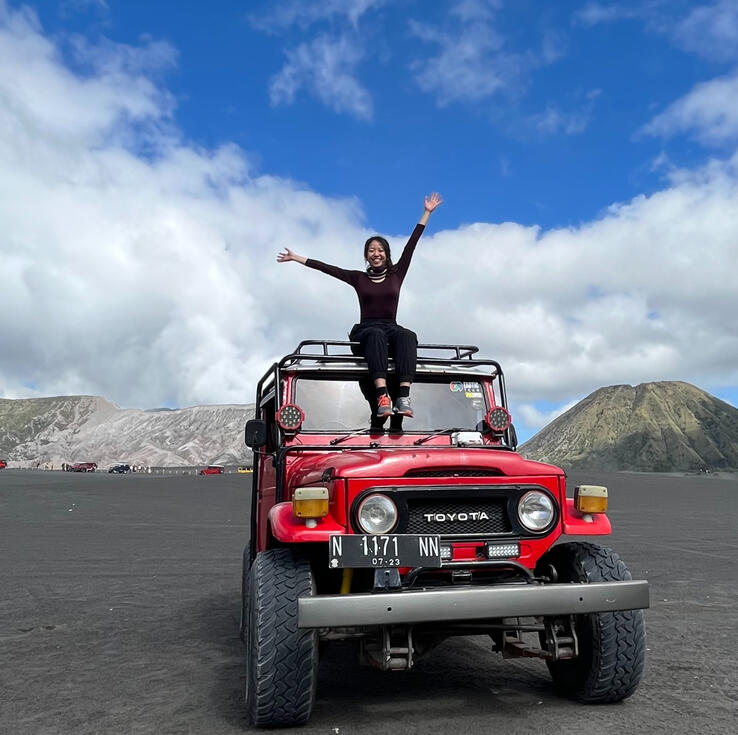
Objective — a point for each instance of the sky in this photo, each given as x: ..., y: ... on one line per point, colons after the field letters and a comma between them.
x: 155, y: 158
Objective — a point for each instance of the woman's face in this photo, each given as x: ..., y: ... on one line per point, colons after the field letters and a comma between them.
x: 375, y: 254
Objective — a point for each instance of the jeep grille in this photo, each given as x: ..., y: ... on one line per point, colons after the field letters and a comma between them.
x: 497, y: 522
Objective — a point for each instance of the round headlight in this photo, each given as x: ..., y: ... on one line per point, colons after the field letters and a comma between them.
x: 536, y: 511
x: 377, y: 514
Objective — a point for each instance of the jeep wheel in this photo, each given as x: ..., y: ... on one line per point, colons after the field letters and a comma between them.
x: 281, y: 659
x: 612, y: 645
x: 246, y: 565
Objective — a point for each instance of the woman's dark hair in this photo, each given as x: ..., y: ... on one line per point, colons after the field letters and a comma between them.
x: 383, y: 242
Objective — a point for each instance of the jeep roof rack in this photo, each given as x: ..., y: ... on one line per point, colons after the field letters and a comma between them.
x: 461, y: 351
x: 335, y: 352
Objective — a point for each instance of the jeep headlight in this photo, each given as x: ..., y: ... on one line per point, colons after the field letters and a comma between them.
x: 535, y: 510
x: 376, y: 514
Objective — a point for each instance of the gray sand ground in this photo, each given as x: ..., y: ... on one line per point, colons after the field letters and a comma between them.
x: 119, y: 614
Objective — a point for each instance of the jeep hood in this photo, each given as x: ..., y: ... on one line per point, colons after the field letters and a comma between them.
x: 309, y: 468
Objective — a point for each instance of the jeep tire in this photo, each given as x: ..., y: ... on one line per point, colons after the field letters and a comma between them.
x: 612, y: 645
x: 246, y: 565
x: 281, y: 659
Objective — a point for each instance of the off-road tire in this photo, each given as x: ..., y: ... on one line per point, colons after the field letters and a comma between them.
x: 245, y: 567
x: 612, y: 645
x: 281, y: 659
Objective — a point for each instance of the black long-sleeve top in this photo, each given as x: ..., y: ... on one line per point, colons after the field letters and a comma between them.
x: 376, y: 300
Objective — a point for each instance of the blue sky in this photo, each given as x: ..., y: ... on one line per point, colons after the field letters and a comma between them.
x: 542, y: 130
x: 586, y: 153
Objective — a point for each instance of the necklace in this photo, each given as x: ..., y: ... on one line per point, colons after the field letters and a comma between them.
x: 376, y: 275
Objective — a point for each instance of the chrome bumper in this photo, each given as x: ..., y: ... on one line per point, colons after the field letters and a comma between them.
x: 469, y: 603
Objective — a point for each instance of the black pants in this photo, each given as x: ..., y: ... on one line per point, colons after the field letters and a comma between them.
x: 381, y: 337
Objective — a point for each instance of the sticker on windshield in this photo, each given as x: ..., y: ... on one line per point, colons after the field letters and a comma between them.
x: 456, y: 386
x: 472, y: 390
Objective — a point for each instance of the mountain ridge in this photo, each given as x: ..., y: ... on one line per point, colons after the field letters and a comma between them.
x: 662, y: 426
x: 82, y: 428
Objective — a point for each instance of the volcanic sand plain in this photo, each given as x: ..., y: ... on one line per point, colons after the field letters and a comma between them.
x: 119, y: 607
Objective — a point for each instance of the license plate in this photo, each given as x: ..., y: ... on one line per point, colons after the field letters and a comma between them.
x: 394, y: 550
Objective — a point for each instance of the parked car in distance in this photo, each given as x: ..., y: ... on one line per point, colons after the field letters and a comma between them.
x: 120, y: 469
x: 4, y: 464
x: 83, y: 467
x: 245, y: 470
x: 212, y: 469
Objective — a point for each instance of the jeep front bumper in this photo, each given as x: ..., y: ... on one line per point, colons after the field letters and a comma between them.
x: 470, y: 603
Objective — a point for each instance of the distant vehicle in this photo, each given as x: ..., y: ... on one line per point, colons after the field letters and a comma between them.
x: 245, y: 470
x: 3, y: 464
x: 212, y: 469
x: 120, y: 469
x: 83, y: 467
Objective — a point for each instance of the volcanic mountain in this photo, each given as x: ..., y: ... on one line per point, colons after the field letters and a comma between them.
x: 49, y: 431
x: 652, y: 427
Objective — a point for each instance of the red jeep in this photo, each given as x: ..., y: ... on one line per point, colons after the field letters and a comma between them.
x: 399, y: 539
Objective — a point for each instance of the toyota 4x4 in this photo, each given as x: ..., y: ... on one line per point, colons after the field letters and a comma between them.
x: 398, y: 539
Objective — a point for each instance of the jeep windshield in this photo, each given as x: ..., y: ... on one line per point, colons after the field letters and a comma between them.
x: 339, y: 405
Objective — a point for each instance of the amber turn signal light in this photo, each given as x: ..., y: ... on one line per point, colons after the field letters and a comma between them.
x: 310, y: 502
x: 590, y: 498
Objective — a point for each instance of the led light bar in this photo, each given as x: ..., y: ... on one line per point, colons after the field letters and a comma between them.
x: 502, y: 551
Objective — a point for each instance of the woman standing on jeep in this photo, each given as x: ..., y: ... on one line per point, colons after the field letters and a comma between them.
x: 378, y: 289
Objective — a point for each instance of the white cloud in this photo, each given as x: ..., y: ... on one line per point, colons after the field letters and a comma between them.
x: 594, y: 13
x: 710, y: 30
x: 709, y: 111
x: 472, y: 63
x: 151, y: 279
x: 553, y: 120
x: 326, y: 68
x: 282, y: 15
x: 535, y: 419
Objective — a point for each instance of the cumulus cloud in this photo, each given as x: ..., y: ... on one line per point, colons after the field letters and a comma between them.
x: 709, y: 111
x: 149, y: 276
x: 326, y: 68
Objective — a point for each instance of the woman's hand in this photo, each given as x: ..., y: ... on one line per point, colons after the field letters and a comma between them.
x: 287, y: 256
x: 433, y: 201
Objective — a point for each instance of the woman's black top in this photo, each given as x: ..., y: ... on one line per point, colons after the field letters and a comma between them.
x: 377, y: 300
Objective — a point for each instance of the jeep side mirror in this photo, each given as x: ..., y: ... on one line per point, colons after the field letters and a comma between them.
x: 255, y: 434
x: 512, y: 437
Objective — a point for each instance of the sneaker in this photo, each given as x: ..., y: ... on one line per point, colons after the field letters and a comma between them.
x: 403, y: 407
x: 384, y: 406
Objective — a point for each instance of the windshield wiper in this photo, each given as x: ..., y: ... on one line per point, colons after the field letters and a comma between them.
x: 437, y: 432
x: 357, y: 432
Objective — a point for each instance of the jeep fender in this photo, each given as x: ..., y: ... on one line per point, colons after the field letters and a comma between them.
x: 575, y: 523
x: 288, y: 529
